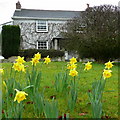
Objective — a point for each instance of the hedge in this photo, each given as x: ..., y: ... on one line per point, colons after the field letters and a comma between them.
x: 29, y: 53
x: 10, y: 40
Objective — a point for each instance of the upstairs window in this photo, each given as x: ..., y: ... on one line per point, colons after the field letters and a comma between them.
x: 41, y: 26
x: 42, y: 45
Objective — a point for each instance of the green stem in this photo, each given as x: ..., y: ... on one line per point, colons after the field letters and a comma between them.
x: 41, y: 65
x: 33, y: 68
x: 20, y: 75
x: 11, y: 71
x: 101, y: 77
x: 20, y: 110
x: 14, y: 75
x: 74, y: 82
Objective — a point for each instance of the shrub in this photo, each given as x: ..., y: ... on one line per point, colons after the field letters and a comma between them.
x: 10, y: 40
x: 29, y: 53
x: 95, y: 33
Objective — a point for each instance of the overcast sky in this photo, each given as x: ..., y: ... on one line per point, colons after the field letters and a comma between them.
x: 7, y: 7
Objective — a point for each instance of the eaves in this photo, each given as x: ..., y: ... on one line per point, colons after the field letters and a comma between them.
x: 38, y: 18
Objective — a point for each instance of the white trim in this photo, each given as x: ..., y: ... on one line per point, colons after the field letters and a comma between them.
x: 38, y: 18
x: 18, y: 9
x: 37, y: 44
x: 45, y: 46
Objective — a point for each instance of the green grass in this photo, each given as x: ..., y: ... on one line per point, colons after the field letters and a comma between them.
x: 85, y: 79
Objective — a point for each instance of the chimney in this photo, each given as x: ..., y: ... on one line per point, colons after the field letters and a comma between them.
x: 18, y: 5
x: 88, y: 5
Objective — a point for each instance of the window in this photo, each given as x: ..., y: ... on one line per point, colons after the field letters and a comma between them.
x: 80, y: 29
x: 41, y: 26
x: 42, y: 45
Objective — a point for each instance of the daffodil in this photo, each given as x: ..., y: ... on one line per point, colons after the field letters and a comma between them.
x: 22, y: 67
x: 73, y: 73
x: 47, y: 60
x: 88, y: 66
x: 1, y: 71
x: 68, y: 66
x: 109, y: 65
x: 38, y: 56
x: 73, y: 60
x: 107, y: 74
x: 20, y: 60
x: 18, y: 67
x: 34, y: 61
x: 71, y: 66
x: 20, y: 96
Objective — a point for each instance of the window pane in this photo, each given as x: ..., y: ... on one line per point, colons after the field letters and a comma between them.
x: 42, y: 26
x: 42, y: 45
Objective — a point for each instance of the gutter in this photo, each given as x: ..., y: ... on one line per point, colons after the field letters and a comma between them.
x: 38, y: 18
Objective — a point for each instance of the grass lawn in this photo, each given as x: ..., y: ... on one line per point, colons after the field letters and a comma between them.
x: 84, y: 82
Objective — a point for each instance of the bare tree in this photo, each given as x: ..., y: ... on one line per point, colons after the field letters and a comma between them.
x: 95, y: 33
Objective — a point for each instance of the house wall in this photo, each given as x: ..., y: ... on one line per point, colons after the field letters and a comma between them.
x: 29, y: 36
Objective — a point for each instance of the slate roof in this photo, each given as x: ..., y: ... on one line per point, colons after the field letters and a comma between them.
x: 45, y: 14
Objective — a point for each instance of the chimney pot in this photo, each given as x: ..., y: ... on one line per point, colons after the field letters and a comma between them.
x: 88, y: 5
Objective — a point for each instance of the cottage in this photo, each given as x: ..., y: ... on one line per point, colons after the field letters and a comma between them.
x: 40, y: 29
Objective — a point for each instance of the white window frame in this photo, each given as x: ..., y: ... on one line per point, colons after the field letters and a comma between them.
x: 40, y: 23
x: 46, y: 47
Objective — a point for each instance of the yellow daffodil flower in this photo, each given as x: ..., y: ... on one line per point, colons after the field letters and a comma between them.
x: 107, y: 74
x: 88, y: 66
x: 22, y: 67
x: 73, y: 73
x: 20, y: 96
x: 18, y: 67
x: 1, y: 71
x: 73, y: 60
x: 68, y: 66
x: 34, y: 61
x: 71, y: 66
x: 38, y: 56
x: 47, y: 60
x: 20, y: 60
x: 109, y: 65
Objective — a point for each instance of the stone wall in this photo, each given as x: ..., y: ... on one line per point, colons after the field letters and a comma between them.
x: 29, y: 36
